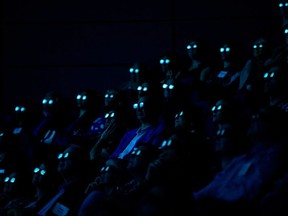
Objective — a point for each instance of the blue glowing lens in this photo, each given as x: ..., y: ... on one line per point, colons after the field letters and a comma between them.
x: 171, y: 87
x: 189, y: 47
x: 78, y: 97
x: 219, y: 107
x: 164, y: 143
x: 112, y: 114
x: 169, y: 142
x: 50, y: 102
x: 6, y: 179
x: 12, y: 180
x: 260, y: 46
x: 22, y: 109
x: 60, y: 156
x: 131, y: 70
x: 195, y: 46
x: 164, y: 86
x: 111, y: 96
x: 17, y: 108
x: 84, y: 97
x: 181, y: 113
x: 255, y: 46
x: 139, y: 88
x: 135, y: 106
x: 44, y: 101
x: 42, y: 172
x: 265, y: 75
x: 167, y: 61
x: 213, y: 108
x: 141, y: 105
x: 227, y: 49
x: 272, y: 75
x: 36, y: 170
x: 106, y: 95
x: 136, y: 70
x: 222, y: 49
x: 106, y: 115
x: 66, y: 155
x: 145, y: 89
x: 281, y: 5
x: 286, y: 31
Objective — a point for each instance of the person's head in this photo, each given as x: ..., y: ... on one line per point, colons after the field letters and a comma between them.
x: 275, y: 81
x: 51, y: 103
x: 169, y: 88
x: 72, y: 161
x: 147, y: 109
x: 88, y: 99
x: 45, y: 175
x: 113, y: 98
x: 283, y: 7
x: 260, y: 48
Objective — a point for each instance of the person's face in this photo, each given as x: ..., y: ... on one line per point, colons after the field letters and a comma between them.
x: 40, y: 174
x: 192, y: 49
x: 165, y: 63
x: 49, y: 104
x: 143, y: 89
x: 110, y: 97
x: 134, y: 72
x: 143, y: 108
x: 66, y: 162
x: 218, y: 111
x: 110, y: 117
x: 259, y: 48
x: 10, y: 183
x: 225, y: 52
x: 168, y: 88
x: 270, y: 80
x: 283, y: 6
x: 82, y: 99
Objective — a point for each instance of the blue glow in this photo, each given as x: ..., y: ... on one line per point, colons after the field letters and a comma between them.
x: 272, y: 75
x: 227, y: 49
x: 44, y: 101
x: 139, y: 88
x: 137, y: 70
x: 78, y: 97
x: 50, y: 102
x: 112, y: 114
x: 42, y: 172
x: 6, y: 179
x: 286, y: 4
x: 171, y: 87
x: 145, y: 89
x: 84, y: 97
x: 111, y: 96
x: 265, y: 75
x: 135, y: 106
x: 17, y: 108
x: 164, y: 143
x: 131, y: 70
x: 281, y: 5
x: 22, y: 109
x: 195, y: 46
x: 222, y: 50
x: 141, y: 105
x: 260, y: 45
x: 161, y: 61
x: 36, y: 170
x: 164, y: 86
x: 189, y: 47
x: 106, y: 115
x: 181, y: 113
x: 167, y: 61
x: 12, y: 180
x: 60, y: 156
x: 1, y: 134
x: 169, y: 142
x: 255, y: 46
x: 213, y: 108
x: 66, y: 155
x: 219, y: 107
x: 286, y: 31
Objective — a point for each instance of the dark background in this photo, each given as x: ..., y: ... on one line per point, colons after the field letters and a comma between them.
x: 70, y: 45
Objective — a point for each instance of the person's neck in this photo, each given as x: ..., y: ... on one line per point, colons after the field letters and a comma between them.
x: 145, y: 125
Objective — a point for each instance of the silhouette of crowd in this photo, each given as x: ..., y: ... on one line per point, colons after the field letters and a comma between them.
x: 202, y: 135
